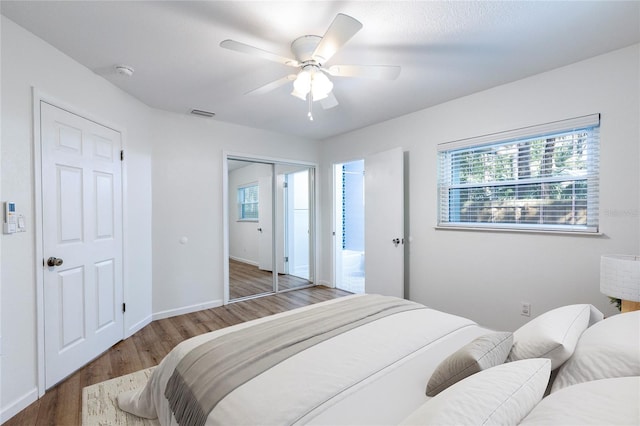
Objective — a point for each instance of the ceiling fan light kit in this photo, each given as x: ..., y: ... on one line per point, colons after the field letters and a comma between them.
x: 311, y: 80
x: 311, y: 52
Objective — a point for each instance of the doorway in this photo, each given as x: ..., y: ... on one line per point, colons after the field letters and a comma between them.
x: 270, y: 227
x: 349, y: 219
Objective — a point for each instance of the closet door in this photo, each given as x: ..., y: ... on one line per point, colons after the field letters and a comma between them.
x: 270, y: 225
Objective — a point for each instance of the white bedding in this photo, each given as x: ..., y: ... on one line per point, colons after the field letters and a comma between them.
x: 374, y: 374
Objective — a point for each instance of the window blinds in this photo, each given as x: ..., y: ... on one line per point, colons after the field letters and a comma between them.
x: 536, y: 178
x: 248, y: 202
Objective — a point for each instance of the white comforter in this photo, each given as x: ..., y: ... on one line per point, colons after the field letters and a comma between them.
x: 374, y: 374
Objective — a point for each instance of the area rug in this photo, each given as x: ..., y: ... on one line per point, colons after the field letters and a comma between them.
x: 99, y: 406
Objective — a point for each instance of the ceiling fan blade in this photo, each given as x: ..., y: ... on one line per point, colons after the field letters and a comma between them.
x: 339, y: 32
x: 380, y: 72
x: 329, y: 102
x: 272, y: 86
x: 245, y: 48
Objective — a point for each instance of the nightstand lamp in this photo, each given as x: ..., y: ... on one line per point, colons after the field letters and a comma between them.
x: 620, y: 278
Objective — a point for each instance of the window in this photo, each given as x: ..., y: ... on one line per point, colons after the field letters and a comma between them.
x: 537, y: 178
x: 248, y: 202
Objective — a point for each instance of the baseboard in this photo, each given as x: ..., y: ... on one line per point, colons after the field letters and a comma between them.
x: 18, y: 405
x: 247, y: 261
x: 326, y: 284
x: 138, y: 326
x: 186, y: 310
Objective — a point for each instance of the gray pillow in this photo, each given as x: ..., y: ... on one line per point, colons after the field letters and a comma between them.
x: 484, y: 352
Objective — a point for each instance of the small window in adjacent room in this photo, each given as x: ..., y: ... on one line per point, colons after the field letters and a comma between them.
x: 248, y: 202
x: 540, y: 178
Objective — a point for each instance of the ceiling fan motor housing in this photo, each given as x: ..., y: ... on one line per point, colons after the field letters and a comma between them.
x: 303, y: 48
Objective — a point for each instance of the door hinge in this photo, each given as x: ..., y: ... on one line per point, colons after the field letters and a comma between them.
x: 285, y: 185
x: 124, y: 307
x: 122, y: 155
x: 286, y: 258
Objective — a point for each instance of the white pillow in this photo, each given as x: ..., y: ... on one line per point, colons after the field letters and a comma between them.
x: 553, y: 335
x: 609, y: 349
x: 504, y: 394
x: 483, y: 352
x: 601, y: 402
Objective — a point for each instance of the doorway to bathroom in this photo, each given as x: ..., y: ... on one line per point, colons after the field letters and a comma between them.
x: 349, y: 241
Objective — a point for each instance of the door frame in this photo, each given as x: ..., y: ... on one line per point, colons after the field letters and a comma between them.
x: 313, y: 201
x: 38, y: 97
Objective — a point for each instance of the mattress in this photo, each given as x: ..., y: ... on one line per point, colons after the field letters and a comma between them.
x: 373, y: 374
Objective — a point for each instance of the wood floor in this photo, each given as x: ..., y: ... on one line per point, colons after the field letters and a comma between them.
x: 62, y: 405
x: 247, y: 280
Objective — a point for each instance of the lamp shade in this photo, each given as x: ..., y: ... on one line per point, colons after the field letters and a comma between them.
x: 311, y: 80
x: 620, y: 276
x: 321, y: 86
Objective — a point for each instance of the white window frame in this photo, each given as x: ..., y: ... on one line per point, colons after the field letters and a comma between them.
x: 449, y: 210
x: 241, y: 202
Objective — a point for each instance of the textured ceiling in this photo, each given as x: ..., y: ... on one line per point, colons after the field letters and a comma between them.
x: 446, y: 50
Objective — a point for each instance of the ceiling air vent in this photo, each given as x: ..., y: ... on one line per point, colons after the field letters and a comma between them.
x: 202, y: 113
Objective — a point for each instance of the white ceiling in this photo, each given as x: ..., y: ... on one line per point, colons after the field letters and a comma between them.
x: 446, y: 50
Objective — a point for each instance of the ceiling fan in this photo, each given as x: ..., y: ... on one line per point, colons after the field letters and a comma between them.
x: 311, y: 52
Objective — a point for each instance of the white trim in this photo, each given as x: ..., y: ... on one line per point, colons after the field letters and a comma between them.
x: 579, y: 233
x: 186, y: 310
x: 225, y: 229
x: 39, y: 256
x: 247, y: 261
x: 265, y: 159
x: 138, y: 326
x: 524, y: 132
x: 37, y: 97
x: 327, y: 284
x: 125, y: 228
x: 18, y: 405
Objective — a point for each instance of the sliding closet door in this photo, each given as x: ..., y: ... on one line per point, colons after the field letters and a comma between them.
x: 250, y: 212
x: 294, y: 224
x: 270, y: 227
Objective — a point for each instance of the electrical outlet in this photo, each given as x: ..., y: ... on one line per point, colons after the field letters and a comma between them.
x: 525, y: 309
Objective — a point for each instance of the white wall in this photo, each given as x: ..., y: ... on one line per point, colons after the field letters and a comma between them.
x: 173, y: 168
x: 28, y: 61
x: 485, y: 275
x: 183, y: 189
x: 187, y: 172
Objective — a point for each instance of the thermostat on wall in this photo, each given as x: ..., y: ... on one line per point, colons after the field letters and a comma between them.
x: 10, y: 220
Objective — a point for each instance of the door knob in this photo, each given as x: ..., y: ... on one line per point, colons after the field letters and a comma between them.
x: 259, y: 229
x: 54, y: 261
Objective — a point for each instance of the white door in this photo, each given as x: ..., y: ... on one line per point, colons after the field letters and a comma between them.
x: 384, y: 223
x: 265, y: 223
x: 82, y: 239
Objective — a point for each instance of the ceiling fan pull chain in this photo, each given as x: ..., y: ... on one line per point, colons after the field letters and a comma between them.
x: 310, y: 115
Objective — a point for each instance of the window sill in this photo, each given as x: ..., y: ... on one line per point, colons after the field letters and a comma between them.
x: 519, y: 231
x: 248, y: 220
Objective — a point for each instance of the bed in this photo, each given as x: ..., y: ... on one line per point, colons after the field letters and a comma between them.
x: 368, y: 360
